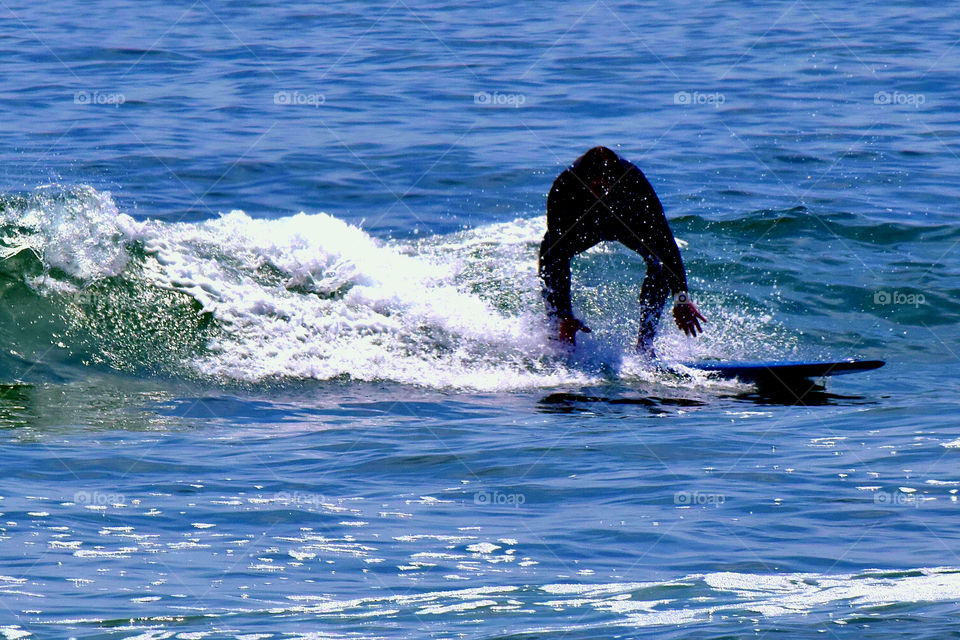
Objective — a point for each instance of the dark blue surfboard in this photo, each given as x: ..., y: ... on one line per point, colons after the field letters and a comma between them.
x: 783, y: 371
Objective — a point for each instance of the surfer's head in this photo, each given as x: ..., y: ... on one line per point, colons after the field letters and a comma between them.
x: 599, y: 168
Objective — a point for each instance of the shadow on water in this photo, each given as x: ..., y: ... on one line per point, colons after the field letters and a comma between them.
x: 797, y: 392
x: 578, y: 403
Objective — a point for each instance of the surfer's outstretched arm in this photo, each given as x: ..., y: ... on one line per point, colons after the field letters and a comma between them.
x: 653, y: 296
x: 651, y: 237
x: 685, y: 313
x: 554, y: 271
x: 565, y: 238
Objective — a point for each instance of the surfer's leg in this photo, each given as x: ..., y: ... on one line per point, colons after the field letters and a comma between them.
x: 653, y: 297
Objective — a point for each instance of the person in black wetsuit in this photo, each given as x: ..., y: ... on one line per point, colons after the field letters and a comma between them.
x: 604, y: 197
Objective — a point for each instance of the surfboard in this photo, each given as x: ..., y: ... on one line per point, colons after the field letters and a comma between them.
x: 784, y: 371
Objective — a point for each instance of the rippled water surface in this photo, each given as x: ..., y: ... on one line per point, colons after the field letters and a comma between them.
x: 274, y: 362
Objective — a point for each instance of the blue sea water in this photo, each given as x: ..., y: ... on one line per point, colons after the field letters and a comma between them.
x: 273, y: 361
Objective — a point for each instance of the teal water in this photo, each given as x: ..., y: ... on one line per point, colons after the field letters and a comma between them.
x: 273, y: 361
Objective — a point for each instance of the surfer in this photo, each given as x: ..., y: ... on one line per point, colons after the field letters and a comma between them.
x: 604, y: 197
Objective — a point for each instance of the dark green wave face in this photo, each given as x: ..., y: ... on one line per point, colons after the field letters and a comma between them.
x: 73, y: 294
x: 238, y: 299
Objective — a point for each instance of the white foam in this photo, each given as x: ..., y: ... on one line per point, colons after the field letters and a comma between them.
x: 78, y: 231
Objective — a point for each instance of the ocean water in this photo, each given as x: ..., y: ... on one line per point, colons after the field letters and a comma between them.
x: 273, y: 361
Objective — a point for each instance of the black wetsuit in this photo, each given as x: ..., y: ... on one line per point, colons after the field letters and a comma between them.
x: 603, y: 197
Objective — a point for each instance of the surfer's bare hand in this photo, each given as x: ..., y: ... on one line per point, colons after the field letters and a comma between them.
x: 687, y: 317
x: 567, y: 330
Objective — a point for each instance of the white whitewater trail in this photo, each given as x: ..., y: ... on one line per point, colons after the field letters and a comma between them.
x: 344, y: 305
